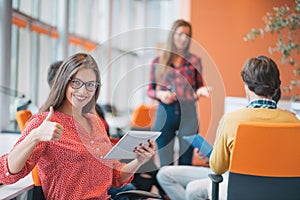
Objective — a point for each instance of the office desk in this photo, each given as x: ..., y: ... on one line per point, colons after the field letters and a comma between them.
x: 7, y: 141
x: 14, y: 190
x: 235, y: 103
x: 22, y: 186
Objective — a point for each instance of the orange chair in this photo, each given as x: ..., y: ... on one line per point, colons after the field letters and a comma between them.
x: 143, y: 117
x: 22, y: 118
x: 265, y: 162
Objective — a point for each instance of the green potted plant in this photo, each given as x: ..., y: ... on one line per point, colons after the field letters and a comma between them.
x: 285, y: 23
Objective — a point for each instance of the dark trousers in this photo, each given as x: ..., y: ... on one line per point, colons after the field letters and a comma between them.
x: 145, y: 177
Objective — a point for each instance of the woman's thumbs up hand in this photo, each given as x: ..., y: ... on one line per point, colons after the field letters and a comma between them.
x: 48, y: 130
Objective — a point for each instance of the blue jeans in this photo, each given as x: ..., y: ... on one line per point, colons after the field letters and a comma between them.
x: 170, y: 118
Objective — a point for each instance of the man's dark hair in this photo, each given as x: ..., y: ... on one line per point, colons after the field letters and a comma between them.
x: 52, y: 72
x: 277, y: 95
x: 99, y: 111
x: 262, y: 76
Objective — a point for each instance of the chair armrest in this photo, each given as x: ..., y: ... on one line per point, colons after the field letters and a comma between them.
x: 216, y: 179
x: 136, y: 194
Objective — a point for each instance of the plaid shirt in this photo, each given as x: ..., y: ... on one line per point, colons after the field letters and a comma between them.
x: 262, y: 103
x: 183, y: 80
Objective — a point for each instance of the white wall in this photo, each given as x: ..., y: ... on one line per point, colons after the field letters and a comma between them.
x: 235, y: 103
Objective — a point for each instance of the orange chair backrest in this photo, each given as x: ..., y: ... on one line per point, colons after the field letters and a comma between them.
x: 35, y: 176
x: 143, y: 117
x: 22, y: 118
x: 267, y: 149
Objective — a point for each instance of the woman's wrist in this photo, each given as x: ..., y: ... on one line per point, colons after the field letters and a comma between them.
x: 33, y: 136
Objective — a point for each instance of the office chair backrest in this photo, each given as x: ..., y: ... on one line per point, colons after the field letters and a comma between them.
x: 22, y: 117
x: 265, y: 162
x: 143, y: 117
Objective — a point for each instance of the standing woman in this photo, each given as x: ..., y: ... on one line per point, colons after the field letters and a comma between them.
x: 176, y: 83
x: 68, y: 143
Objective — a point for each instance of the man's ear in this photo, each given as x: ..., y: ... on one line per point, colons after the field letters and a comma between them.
x: 247, y: 92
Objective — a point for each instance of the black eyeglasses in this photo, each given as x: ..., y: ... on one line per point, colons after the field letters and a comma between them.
x: 77, y: 83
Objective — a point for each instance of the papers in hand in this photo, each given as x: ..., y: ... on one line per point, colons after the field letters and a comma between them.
x: 124, y: 148
x: 197, y: 141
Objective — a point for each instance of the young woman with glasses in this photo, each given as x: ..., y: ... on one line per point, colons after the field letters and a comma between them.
x: 68, y: 143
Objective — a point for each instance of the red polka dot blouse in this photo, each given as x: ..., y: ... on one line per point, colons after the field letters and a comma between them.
x: 73, y: 167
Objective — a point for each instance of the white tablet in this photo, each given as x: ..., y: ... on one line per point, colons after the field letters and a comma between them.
x: 124, y: 148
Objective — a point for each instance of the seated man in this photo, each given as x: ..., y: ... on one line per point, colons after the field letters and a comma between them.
x: 262, y: 81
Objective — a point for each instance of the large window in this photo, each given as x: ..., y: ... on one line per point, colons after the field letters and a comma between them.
x: 115, y: 32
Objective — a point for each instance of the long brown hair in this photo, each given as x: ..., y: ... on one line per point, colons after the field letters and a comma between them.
x: 68, y: 68
x: 168, y: 54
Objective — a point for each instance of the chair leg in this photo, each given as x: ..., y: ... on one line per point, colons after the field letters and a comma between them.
x: 216, y: 179
x: 215, y: 191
